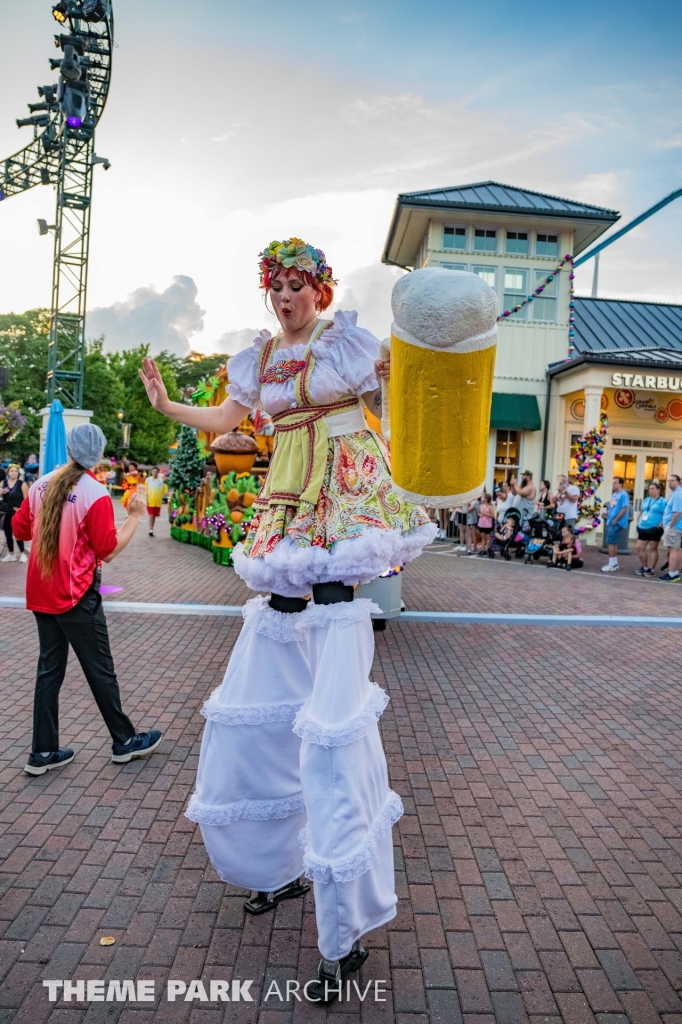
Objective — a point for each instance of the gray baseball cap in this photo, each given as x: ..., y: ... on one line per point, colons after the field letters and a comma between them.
x: 85, y: 444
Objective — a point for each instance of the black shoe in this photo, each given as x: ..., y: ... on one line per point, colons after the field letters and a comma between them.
x: 551, y: 564
x: 332, y: 973
x: 664, y: 567
x: 142, y: 743
x: 668, y: 578
x: 38, y: 764
x: 568, y: 567
x: 263, y: 902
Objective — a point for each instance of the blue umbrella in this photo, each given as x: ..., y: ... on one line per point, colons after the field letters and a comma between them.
x: 55, y: 438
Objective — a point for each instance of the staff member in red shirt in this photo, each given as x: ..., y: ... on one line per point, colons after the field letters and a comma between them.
x: 70, y: 519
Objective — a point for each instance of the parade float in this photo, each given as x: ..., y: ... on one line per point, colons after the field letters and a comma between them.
x: 213, y: 491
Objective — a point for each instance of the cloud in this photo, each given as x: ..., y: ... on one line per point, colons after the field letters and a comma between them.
x: 232, y: 342
x: 368, y: 290
x: 163, y: 320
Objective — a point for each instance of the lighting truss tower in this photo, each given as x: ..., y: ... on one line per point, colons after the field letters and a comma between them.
x: 63, y: 153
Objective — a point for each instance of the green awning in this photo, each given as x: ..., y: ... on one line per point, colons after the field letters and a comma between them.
x: 515, y: 412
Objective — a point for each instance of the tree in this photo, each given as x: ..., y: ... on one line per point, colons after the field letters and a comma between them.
x: 190, y: 370
x: 103, y: 392
x: 187, y: 468
x: 23, y: 348
x: 151, y: 433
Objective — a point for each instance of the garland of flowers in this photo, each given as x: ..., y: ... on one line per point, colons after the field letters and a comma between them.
x: 591, y: 472
x: 540, y: 289
x: 11, y: 421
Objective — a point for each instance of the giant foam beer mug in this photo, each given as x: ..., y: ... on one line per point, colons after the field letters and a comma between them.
x: 443, y: 341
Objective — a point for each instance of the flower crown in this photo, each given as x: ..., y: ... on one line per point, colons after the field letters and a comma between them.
x: 298, y: 254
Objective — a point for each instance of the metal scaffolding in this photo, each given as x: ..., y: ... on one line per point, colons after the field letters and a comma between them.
x: 63, y: 154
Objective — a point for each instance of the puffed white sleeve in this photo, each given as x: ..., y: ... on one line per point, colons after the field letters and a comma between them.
x: 242, y: 371
x: 352, y: 352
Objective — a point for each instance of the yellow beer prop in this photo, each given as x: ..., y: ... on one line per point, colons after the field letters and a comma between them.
x: 443, y: 341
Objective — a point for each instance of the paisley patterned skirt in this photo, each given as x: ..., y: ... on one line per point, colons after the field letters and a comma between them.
x: 357, y: 496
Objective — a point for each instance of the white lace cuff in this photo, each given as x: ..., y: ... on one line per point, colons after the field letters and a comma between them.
x: 344, y: 613
x: 346, y: 870
x: 252, y: 810
x: 345, y: 732
x: 250, y: 714
x: 261, y: 618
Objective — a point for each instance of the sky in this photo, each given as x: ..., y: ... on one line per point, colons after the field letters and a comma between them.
x: 231, y: 123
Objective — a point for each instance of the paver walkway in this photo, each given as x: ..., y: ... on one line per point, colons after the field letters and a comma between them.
x: 539, y: 861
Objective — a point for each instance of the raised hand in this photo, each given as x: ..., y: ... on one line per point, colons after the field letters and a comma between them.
x: 137, y: 506
x: 154, y: 386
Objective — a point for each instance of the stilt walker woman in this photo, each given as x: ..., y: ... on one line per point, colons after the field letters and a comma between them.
x: 292, y: 776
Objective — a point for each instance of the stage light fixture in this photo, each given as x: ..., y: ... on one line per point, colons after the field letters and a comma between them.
x: 95, y: 10
x: 69, y: 66
x: 49, y: 92
x: 44, y: 176
x: 60, y: 12
x: 94, y: 159
x: 39, y: 121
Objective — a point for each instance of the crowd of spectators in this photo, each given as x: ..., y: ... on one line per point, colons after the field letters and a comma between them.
x: 519, y: 511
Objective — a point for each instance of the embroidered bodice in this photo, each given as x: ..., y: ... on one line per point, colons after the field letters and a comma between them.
x: 344, y: 364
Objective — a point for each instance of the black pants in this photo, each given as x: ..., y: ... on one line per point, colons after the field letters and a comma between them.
x: 85, y: 628
x: 9, y: 536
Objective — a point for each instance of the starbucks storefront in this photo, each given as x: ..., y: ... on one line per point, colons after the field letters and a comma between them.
x: 641, y: 393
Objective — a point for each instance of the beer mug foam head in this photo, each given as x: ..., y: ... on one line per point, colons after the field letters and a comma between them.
x: 444, y: 309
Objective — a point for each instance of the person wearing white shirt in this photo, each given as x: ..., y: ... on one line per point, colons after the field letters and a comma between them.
x: 567, y: 496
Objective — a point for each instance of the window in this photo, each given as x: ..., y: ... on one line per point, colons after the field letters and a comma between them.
x: 573, y: 458
x: 485, y: 240
x: 544, y: 305
x: 515, y: 290
x: 454, y: 266
x: 507, y: 451
x: 487, y: 273
x: 517, y: 242
x: 454, y: 238
x: 624, y: 442
x: 547, y: 245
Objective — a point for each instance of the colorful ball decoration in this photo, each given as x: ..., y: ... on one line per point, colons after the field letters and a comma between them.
x: 591, y: 472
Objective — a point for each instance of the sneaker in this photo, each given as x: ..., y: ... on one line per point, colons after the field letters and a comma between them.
x: 460, y: 547
x: 38, y: 764
x: 667, y: 578
x: 649, y: 572
x: 568, y: 567
x: 641, y: 571
x: 551, y: 564
x: 23, y: 557
x: 664, y: 567
x: 142, y: 743
x: 8, y: 558
x: 610, y: 568
x: 151, y: 533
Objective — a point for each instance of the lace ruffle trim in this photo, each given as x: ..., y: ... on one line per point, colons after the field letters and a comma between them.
x: 343, y: 321
x: 254, y: 714
x: 346, y: 870
x: 251, y: 810
x: 344, y: 613
x: 261, y: 618
x: 345, y: 732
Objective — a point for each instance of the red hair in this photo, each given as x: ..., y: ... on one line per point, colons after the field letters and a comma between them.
x: 324, y: 291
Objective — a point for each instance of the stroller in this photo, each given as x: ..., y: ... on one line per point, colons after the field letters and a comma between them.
x: 516, y: 541
x: 543, y: 532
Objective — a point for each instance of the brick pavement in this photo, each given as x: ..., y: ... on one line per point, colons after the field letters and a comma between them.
x: 160, y: 569
x: 539, y: 861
